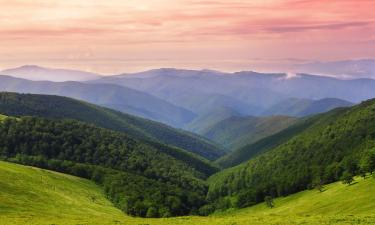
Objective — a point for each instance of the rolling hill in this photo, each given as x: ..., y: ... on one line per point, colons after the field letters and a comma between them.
x: 139, y: 178
x: 27, y: 194
x: 238, y: 131
x: 305, y: 107
x: 62, y: 107
x: 109, y: 95
x: 335, y: 145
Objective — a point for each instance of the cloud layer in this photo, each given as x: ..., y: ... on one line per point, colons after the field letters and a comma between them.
x: 114, y: 35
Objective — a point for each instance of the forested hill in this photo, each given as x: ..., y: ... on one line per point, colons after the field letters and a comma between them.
x: 138, y: 178
x: 62, y: 107
x: 238, y: 131
x: 338, y: 144
x: 247, y: 152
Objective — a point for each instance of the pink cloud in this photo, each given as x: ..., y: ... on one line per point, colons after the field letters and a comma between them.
x: 186, y: 28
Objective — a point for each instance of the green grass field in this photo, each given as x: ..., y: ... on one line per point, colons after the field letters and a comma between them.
x: 2, y: 117
x: 34, y: 196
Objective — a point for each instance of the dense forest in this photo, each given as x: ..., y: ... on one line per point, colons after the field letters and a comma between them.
x: 57, y: 107
x: 339, y: 144
x: 138, y: 178
x: 147, y: 178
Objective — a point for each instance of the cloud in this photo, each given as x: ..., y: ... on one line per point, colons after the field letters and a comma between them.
x: 189, y: 29
x: 329, y: 26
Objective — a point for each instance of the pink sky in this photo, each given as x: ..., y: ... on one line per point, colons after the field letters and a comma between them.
x: 116, y: 36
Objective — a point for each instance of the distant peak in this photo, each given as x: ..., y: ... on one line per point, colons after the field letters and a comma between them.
x: 30, y: 67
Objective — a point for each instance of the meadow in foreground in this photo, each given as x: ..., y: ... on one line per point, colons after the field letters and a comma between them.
x: 30, y: 195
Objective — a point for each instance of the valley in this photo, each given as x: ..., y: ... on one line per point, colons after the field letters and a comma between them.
x: 34, y: 196
x: 232, y: 154
x: 188, y: 112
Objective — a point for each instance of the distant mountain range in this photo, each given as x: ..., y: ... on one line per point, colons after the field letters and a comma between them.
x: 33, y: 72
x: 109, y: 95
x: 196, y: 100
x: 364, y: 68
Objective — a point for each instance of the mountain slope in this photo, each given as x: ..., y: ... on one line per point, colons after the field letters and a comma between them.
x: 136, y: 177
x: 247, y: 152
x: 236, y: 132
x: 63, y: 107
x: 32, y: 72
x: 305, y: 107
x: 109, y: 95
x: 332, y: 146
x: 27, y: 194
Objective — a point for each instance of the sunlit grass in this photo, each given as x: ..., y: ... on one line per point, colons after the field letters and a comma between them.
x: 34, y: 196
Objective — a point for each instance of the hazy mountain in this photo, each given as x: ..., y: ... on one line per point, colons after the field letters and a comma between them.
x: 109, y: 95
x: 238, y: 131
x: 165, y: 72
x: 364, y: 68
x: 304, y: 107
x: 32, y: 72
x: 185, y: 90
x: 250, y: 89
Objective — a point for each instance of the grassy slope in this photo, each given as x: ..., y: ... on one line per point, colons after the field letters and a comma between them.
x: 2, y: 117
x: 33, y: 196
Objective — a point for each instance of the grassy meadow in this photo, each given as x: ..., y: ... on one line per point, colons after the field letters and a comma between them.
x: 30, y: 195
x: 2, y: 117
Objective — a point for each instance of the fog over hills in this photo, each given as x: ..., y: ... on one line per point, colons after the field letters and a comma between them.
x: 363, y: 68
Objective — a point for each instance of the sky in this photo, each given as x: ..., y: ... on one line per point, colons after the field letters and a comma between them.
x: 116, y: 36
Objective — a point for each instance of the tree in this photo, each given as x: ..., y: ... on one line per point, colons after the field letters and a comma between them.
x: 318, y: 185
x: 152, y: 212
x: 368, y: 162
x: 363, y: 172
x: 269, y: 201
x: 347, y: 178
x: 206, y: 210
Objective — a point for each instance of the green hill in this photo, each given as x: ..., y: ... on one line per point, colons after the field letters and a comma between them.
x: 62, y: 107
x: 247, y: 152
x: 237, y: 131
x: 338, y: 143
x: 29, y: 195
x: 136, y: 177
